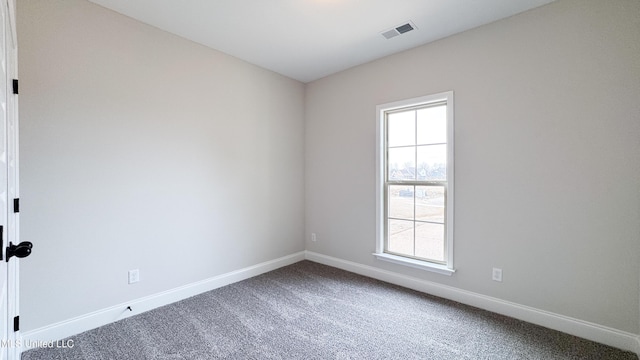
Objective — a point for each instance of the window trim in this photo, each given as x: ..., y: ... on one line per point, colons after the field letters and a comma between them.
x: 381, y: 110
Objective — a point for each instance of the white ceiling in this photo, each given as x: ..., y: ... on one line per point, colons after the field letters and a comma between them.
x: 309, y: 39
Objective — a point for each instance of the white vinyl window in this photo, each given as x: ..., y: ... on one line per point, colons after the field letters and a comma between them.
x: 415, y: 182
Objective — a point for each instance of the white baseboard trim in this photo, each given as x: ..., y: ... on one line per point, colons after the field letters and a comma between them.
x: 584, y: 329
x: 74, y: 326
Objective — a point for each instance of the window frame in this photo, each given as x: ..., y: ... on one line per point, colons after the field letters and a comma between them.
x: 382, y: 183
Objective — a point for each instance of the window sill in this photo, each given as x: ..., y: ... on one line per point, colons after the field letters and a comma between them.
x: 422, y: 265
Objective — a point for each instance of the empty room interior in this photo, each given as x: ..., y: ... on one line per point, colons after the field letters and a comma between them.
x: 171, y: 151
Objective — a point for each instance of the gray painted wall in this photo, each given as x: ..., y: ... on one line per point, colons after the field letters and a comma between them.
x: 143, y: 150
x: 547, y: 157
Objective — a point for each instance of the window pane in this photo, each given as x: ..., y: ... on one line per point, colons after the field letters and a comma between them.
x: 402, y: 163
x: 430, y: 203
x: 430, y: 241
x: 416, y: 158
x: 432, y: 162
x: 401, y: 237
x: 401, y: 129
x: 401, y: 202
x: 432, y: 125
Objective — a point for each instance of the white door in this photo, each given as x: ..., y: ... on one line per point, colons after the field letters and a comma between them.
x: 10, y: 348
x: 4, y: 186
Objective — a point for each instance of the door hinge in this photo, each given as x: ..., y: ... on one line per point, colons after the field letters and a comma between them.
x: 16, y: 323
x: 16, y: 205
x: 15, y: 86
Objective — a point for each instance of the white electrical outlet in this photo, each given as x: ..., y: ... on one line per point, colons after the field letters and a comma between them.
x: 313, y: 237
x: 134, y: 276
x: 497, y: 274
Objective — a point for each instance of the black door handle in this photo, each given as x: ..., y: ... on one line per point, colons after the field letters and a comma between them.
x: 21, y: 250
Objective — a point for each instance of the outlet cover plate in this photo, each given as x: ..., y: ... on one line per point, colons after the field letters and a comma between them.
x: 134, y: 276
x: 497, y: 275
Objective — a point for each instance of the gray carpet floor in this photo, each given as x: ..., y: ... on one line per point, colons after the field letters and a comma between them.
x: 311, y: 311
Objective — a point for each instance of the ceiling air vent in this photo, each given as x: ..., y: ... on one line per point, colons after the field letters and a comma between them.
x: 399, y: 30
